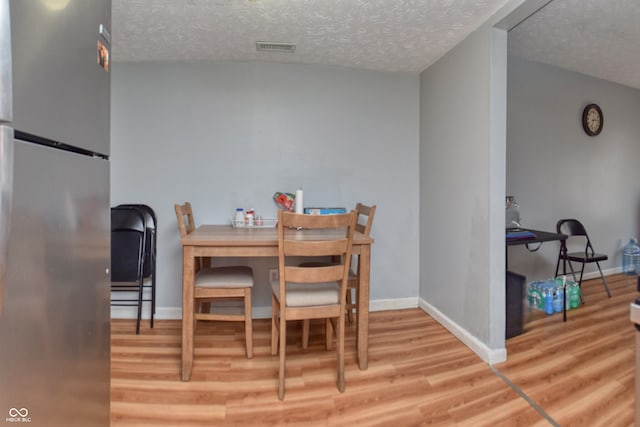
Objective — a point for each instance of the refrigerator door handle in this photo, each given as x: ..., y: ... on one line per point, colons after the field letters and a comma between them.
x: 6, y: 195
x: 6, y: 140
x: 6, y: 81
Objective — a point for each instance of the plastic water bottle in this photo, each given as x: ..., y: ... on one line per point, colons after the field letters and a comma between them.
x: 573, y: 293
x: 558, y: 297
x: 537, y: 297
x: 548, y: 301
x: 631, y: 257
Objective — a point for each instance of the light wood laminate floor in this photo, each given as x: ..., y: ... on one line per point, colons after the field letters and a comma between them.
x: 580, y: 372
x: 576, y: 373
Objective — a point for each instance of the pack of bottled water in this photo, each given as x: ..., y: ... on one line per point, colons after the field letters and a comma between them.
x: 549, y: 296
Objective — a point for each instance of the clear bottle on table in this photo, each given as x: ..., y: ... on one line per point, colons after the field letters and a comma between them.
x: 238, y: 219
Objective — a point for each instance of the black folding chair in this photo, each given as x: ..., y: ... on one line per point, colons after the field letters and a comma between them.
x: 128, y: 237
x: 150, y: 255
x: 578, y: 234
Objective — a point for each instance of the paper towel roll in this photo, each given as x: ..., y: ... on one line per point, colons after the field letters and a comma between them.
x: 298, y: 201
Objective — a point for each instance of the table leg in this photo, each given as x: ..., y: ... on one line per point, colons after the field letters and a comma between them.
x: 564, y: 302
x: 362, y: 325
x: 188, y: 275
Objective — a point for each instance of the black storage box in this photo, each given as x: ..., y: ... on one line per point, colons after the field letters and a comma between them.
x: 514, y: 292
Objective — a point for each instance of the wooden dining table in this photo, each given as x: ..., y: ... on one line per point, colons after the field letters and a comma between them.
x: 227, y: 241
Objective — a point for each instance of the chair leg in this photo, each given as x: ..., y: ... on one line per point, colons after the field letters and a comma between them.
x: 283, y: 346
x: 349, y: 306
x: 248, y: 323
x: 153, y: 290
x: 573, y: 273
x: 153, y: 301
x: 564, y: 302
x: 340, y: 352
x: 140, y: 290
x: 328, y: 332
x: 305, y: 333
x: 195, y: 322
x: 275, y: 309
x: 356, y: 304
x: 604, y: 281
x: 580, y: 283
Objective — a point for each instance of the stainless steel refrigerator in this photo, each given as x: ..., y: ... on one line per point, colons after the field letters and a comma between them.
x: 54, y: 212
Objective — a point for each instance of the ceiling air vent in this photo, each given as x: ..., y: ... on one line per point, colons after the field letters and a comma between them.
x: 275, y: 47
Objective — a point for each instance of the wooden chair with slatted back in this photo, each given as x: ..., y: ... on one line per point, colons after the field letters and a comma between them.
x: 315, y: 292
x: 219, y: 283
x: 364, y: 223
x: 187, y: 224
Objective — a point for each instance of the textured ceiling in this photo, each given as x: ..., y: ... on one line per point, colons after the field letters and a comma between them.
x: 383, y: 35
x: 600, y: 38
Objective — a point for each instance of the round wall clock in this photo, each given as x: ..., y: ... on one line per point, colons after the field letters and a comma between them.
x: 592, y: 119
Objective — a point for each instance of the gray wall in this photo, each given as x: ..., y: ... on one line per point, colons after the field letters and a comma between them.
x: 556, y: 171
x: 227, y: 135
x: 457, y: 155
x: 463, y: 117
x: 463, y: 105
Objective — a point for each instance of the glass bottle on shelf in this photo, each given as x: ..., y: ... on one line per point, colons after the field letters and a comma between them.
x: 512, y: 213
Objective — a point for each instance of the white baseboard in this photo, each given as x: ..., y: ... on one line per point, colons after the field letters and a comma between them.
x: 162, y: 313
x: 596, y: 274
x: 393, y: 304
x: 487, y: 354
x: 262, y: 312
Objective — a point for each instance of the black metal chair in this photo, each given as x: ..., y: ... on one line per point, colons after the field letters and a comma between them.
x: 128, y: 238
x: 150, y: 255
x: 577, y: 234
